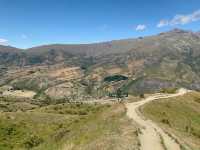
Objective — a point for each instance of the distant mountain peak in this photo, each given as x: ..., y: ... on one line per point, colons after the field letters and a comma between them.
x: 4, y: 48
x: 177, y: 30
x: 198, y: 33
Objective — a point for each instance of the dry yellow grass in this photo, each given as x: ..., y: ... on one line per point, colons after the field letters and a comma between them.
x: 110, y: 130
x: 20, y: 93
x: 68, y: 73
x: 68, y: 127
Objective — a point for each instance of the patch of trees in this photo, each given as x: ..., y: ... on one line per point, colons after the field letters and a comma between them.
x: 119, y: 94
x: 87, y: 62
x: 26, y: 84
x: 35, y: 60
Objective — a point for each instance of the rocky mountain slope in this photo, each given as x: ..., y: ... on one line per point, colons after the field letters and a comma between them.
x: 170, y: 59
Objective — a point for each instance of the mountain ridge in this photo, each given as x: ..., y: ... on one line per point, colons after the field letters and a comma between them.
x: 169, y: 59
x: 175, y: 30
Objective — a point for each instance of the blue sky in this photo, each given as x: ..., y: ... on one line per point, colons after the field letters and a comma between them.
x: 28, y: 23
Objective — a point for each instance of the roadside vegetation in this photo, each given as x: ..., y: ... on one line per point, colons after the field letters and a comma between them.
x: 179, y: 116
x: 169, y: 90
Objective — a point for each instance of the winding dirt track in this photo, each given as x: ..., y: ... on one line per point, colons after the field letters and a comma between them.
x: 152, y: 137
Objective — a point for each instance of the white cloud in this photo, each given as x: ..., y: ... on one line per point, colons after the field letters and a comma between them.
x: 163, y: 23
x: 141, y: 27
x: 181, y: 19
x: 3, y: 42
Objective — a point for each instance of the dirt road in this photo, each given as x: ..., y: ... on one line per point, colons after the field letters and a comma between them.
x: 152, y: 137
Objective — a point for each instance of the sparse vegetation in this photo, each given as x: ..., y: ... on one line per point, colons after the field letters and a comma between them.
x: 169, y: 90
x: 56, y: 127
x: 60, y: 74
x: 179, y: 115
x: 162, y: 142
x: 26, y: 84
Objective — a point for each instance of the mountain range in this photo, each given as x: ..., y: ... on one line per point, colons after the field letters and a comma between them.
x: 167, y: 60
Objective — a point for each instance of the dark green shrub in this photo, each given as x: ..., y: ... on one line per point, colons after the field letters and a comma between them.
x: 165, y: 121
x: 33, y: 141
x: 142, y: 96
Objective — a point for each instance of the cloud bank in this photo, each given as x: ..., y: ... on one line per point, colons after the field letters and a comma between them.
x: 3, y: 41
x: 180, y: 19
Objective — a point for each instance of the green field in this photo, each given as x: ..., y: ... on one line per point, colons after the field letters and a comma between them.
x: 178, y: 115
x: 68, y: 126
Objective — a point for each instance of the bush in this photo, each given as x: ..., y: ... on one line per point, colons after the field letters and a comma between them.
x: 169, y: 90
x: 142, y: 96
x: 60, y: 134
x: 165, y: 121
x: 82, y: 112
x: 33, y: 141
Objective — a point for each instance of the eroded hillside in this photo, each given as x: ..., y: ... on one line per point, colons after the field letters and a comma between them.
x: 150, y: 64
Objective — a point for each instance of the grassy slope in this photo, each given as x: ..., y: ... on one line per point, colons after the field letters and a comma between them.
x: 180, y: 115
x: 68, y: 126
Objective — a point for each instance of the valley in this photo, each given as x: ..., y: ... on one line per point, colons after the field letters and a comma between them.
x: 97, y: 96
x: 99, y: 75
x: 149, y: 64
